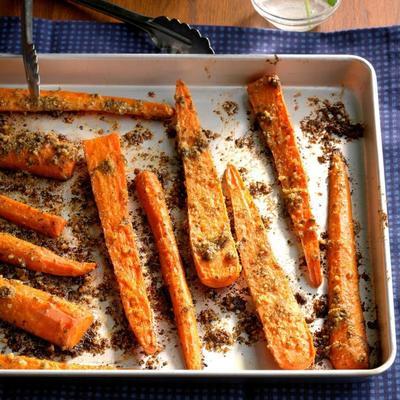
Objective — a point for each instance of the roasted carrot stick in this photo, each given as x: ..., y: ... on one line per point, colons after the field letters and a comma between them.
x: 287, y: 333
x: 348, y: 341
x: 107, y: 172
x: 211, y: 241
x: 22, y: 253
x: 49, y: 317
x: 12, y: 361
x: 152, y: 197
x: 30, y: 217
x: 43, y: 154
x: 268, y: 104
x: 58, y: 100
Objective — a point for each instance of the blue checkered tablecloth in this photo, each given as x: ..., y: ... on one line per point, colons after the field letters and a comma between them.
x: 380, y: 46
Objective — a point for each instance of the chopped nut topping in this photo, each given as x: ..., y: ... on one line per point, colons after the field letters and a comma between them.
x: 265, y: 116
x: 198, y: 147
x: 273, y: 80
x: 230, y: 107
x: 208, y: 249
x: 5, y: 292
x: 106, y: 167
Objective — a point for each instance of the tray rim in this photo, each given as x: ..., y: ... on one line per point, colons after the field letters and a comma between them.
x: 248, y: 374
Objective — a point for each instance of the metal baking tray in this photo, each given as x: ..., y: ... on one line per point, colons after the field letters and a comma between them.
x: 214, y: 80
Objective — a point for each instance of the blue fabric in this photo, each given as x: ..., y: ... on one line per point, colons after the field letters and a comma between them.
x: 380, y: 46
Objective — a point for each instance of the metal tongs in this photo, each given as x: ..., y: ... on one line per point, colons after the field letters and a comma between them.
x: 169, y: 35
x: 29, y: 54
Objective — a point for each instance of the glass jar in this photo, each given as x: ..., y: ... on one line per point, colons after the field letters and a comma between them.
x: 296, y: 15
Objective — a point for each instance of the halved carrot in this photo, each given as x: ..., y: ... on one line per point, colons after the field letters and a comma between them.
x: 43, y: 154
x: 348, y: 340
x: 49, y: 317
x: 268, y: 104
x: 30, y: 217
x: 287, y: 333
x: 107, y: 172
x: 25, y: 254
x: 211, y: 241
x: 12, y: 361
x: 152, y: 197
x: 59, y: 100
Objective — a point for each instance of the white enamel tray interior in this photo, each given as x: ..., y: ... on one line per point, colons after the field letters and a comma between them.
x: 214, y: 80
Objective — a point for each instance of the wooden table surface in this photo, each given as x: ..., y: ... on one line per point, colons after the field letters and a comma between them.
x: 351, y: 13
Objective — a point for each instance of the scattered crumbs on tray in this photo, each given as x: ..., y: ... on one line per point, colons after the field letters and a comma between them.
x: 234, y: 303
x: 230, y: 107
x: 300, y: 298
x: 248, y: 329
x: 320, y: 306
x: 99, y: 291
x: 68, y: 117
x: 207, y: 71
x: 326, y: 124
x: 321, y: 343
x: 210, y: 135
x: 217, y: 339
x: 357, y: 227
x: 274, y: 61
x: 384, y: 218
x: 258, y: 189
x: 169, y: 129
x: 153, y: 362
x: 207, y: 317
x: 246, y: 140
x: 137, y: 136
x: 295, y: 101
x: 243, y: 171
x: 226, y: 111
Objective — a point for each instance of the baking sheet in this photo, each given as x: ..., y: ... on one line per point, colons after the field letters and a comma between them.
x: 229, y: 144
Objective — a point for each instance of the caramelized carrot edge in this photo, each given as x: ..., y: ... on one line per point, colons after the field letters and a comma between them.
x: 19, y: 252
x: 30, y: 217
x: 49, y: 317
x: 12, y: 361
x: 268, y: 104
x: 152, y: 198
x: 348, y: 340
x: 107, y: 173
x: 59, y: 100
x: 212, y: 244
x: 288, y: 336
